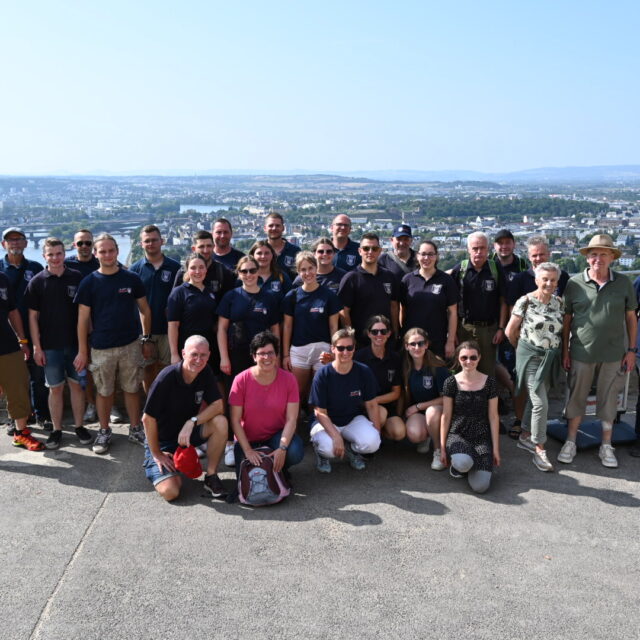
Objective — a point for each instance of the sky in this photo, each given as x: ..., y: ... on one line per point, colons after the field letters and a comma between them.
x: 159, y: 86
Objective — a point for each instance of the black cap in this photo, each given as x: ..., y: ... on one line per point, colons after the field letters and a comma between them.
x: 504, y: 233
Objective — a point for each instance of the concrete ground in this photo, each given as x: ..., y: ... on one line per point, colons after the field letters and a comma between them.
x: 398, y: 550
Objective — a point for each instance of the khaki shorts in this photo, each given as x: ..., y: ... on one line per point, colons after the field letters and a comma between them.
x: 14, y: 380
x: 126, y: 362
x: 161, y: 351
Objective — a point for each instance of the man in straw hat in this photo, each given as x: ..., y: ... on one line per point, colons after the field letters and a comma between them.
x: 598, y: 304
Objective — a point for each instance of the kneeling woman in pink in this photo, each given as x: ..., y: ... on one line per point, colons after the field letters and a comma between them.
x: 264, y: 407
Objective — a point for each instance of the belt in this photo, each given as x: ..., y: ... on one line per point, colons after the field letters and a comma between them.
x: 481, y: 323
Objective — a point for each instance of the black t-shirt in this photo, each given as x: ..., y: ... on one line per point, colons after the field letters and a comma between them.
x: 171, y: 401
x: 481, y: 294
x: 387, y: 371
x: 8, y: 340
x: 54, y: 298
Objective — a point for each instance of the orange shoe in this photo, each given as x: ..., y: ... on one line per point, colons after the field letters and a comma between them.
x: 22, y: 439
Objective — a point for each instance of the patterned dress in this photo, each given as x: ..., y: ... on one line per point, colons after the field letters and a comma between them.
x: 470, y: 431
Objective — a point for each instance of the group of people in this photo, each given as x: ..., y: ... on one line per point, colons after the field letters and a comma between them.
x: 344, y: 343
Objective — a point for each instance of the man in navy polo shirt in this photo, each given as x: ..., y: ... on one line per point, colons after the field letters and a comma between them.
x: 286, y: 252
x: 84, y: 261
x: 184, y: 408
x: 19, y: 270
x: 346, y: 257
x: 368, y: 291
x: 53, y: 319
x: 157, y: 273
x: 223, y: 252
x: 402, y: 258
x: 109, y: 301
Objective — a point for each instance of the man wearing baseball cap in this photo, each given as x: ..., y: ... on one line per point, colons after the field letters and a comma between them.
x: 599, y: 303
x: 402, y: 259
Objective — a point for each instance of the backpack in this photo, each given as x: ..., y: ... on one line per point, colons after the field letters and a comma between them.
x: 261, y: 485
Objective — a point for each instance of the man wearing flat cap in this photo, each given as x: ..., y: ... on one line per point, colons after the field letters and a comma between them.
x: 599, y: 305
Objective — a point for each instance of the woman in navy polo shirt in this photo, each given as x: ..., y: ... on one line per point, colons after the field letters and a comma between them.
x: 327, y: 274
x: 386, y: 366
x: 191, y: 310
x: 243, y: 313
x: 429, y: 300
x: 272, y: 278
x: 423, y: 377
x: 310, y: 319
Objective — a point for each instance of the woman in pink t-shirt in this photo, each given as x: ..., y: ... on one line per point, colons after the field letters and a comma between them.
x: 264, y: 407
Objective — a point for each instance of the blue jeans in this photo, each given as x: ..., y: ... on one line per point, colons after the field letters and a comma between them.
x: 295, y: 452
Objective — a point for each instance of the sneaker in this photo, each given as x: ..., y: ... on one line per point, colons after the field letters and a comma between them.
x: 608, y: 456
x: 115, y: 416
x: 54, y: 439
x: 136, y: 434
x: 90, y: 414
x: 527, y: 444
x: 424, y: 446
x: 83, y: 435
x: 541, y: 461
x: 46, y: 425
x: 229, y: 456
x: 323, y: 465
x: 214, y: 486
x: 436, y: 464
x: 102, y: 441
x: 355, y: 459
x: 27, y: 441
x: 567, y: 453
x: 454, y: 473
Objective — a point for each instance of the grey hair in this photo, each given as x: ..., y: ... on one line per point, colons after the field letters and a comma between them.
x: 536, y: 240
x: 547, y: 266
x: 195, y: 339
x: 480, y: 235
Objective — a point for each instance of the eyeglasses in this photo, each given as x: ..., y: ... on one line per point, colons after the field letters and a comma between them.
x: 341, y: 224
x: 418, y: 343
x: 345, y: 347
x: 252, y: 271
x: 322, y: 251
x: 265, y: 354
x: 378, y: 332
x: 84, y: 243
x: 370, y: 248
x: 465, y: 358
x: 424, y: 254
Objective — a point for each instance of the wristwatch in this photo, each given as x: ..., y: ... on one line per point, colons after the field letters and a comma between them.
x: 283, y: 447
x: 145, y: 338
x: 194, y: 420
x: 633, y: 349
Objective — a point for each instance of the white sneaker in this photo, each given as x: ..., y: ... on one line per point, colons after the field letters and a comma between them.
x: 115, y: 416
x: 527, y: 444
x: 423, y: 447
x: 607, y: 456
x: 437, y: 465
x: 90, y: 414
x: 567, y: 453
x: 541, y: 461
x: 229, y: 457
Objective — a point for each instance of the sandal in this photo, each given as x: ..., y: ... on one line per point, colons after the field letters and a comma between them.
x: 516, y: 430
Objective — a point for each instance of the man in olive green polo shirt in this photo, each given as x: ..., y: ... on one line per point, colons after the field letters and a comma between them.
x: 599, y: 303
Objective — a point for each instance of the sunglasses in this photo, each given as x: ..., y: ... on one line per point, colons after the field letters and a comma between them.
x: 252, y: 271
x: 322, y: 251
x: 378, y: 332
x: 84, y: 243
x: 419, y: 343
x: 465, y: 358
x: 369, y: 248
x: 344, y: 347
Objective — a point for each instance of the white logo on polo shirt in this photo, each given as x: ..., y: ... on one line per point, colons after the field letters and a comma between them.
x: 427, y: 382
x: 489, y: 285
x: 215, y: 285
x: 390, y: 374
x: 387, y: 288
x: 28, y: 275
x: 71, y: 291
x: 4, y: 293
x: 276, y: 286
x: 199, y: 396
x: 288, y: 260
x: 435, y: 289
x: 351, y: 260
x: 165, y: 275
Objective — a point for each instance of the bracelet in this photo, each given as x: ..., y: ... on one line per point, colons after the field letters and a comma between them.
x: 23, y: 341
x: 632, y: 349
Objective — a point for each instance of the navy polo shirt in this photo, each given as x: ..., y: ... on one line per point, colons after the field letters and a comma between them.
x: 229, y: 260
x: 386, y: 370
x: 366, y: 295
x: 287, y: 258
x: 329, y: 280
x: 348, y: 258
x: 54, y: 298
x: 386, y: 261
x: 114, y: 307
x: 85, y: 268
x: 343, y: 395
x: 19, y: 278
x: 311, y: 312
x: 195, y: 310
x: 158, y: 283
x: 481, y: 294
x: 258, y: 311
x: 171, y: 401
x: 8, y: 340
x: 427, y: 383
x: 525, y: 282
x: 218, y: 277
x: 277, y: 287
x: 425, y: 304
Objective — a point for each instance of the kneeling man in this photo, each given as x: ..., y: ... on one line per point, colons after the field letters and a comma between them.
x: 184, y: 407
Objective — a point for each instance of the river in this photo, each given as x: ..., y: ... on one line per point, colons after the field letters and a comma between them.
x: 31, y: 253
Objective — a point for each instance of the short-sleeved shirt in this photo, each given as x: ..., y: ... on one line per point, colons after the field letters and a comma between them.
x: 311, y: 311
x: 257, y: 311
x: 195, y: 310
x: 171, y: 401
x: 84, y: 267
x: 114, y: 308
x: 427, y: 383
x: 598, y: 324
x: 8, y: 340
x: 541, y: 323
x: 387, y: 261
x: 343, y: 394
x: 277, y: 287
x: 386, y: 370
x: 511, y: 270
x: 481, y: 294
x: 287, y: 259
x: 348, y: 258
x: 329, y: 280
x: 229, y: 260
x: 54, y: 299
x: 19, y: 277
x: 367, y: 295
x: 158, y: 284
x: 525, y: 282
x: 218, y: 278
x: 264, y: 406
x: 425, y: 305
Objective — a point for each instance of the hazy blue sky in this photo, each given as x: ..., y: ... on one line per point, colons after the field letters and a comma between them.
x: 158, y: 86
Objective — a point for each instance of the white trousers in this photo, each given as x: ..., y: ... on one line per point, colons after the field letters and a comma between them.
x: 360, y: 432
